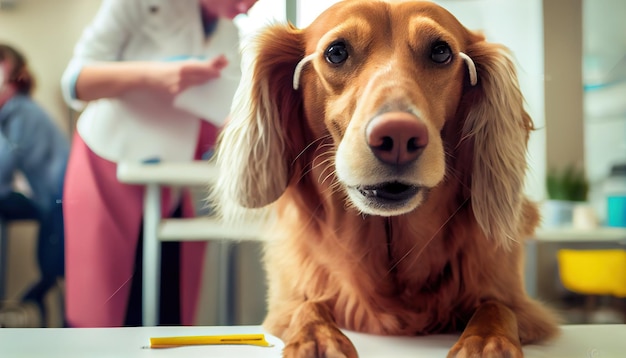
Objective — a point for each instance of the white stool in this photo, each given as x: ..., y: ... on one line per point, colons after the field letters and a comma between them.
x: 189, y: 174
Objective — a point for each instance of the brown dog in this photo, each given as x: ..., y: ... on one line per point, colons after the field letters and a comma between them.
x: 391, y: 143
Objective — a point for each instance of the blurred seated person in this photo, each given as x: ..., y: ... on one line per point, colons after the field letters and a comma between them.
x: 31, y: 144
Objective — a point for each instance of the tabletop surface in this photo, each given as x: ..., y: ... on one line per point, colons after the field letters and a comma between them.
x: 585, y: 341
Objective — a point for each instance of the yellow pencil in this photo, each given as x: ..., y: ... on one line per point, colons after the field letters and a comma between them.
x: 180, y: 341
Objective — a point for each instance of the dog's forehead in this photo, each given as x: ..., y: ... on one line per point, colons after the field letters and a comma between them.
x: 382, y: 14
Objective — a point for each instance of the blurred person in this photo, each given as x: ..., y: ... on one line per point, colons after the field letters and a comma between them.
x: 130, y: 63
x: 32, y: 144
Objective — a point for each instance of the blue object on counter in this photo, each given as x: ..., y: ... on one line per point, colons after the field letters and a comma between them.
x: 155, y: 160
x: 616, y: 211
x: 616, y: 197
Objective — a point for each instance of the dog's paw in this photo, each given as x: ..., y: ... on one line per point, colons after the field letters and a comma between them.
x: 486, y: 347
x: 319, y: 341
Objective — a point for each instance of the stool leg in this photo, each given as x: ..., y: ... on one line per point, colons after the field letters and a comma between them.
x: 225, y: 296
x: 151, y: 255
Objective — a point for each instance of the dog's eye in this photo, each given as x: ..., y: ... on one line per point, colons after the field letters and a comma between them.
x: 336, y: 53
x: 440, y: 52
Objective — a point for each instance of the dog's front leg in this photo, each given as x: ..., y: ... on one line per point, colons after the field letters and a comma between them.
x: 313, y: 333
x: 491, y: 332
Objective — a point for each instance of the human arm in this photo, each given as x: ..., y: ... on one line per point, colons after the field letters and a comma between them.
x: 112, y: 79
x: 123, y: 49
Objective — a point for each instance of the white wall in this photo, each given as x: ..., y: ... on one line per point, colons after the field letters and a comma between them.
x: 45, y: 31
x: 263, y: 13
x: 604, y: 73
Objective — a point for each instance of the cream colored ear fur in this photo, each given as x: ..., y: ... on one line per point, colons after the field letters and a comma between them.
x: 499, y: 127
x: 253, y: 153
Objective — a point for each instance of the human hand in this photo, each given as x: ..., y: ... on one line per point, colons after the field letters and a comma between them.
x: 171, y: 78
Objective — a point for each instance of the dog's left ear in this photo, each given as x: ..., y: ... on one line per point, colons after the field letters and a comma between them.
x: 255, y: 150
x: 498, y: 127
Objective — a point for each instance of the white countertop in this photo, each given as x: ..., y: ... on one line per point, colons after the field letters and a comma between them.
x: 600, y: 234
x: 585, y: 341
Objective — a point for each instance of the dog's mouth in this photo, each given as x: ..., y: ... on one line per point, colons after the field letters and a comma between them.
x: 391, y: 192
x: 387, y: 198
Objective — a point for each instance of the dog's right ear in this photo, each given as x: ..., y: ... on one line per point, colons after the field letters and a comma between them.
x: 264, y: 134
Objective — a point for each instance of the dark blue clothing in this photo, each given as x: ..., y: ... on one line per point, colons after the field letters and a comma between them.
x: 31, y: 143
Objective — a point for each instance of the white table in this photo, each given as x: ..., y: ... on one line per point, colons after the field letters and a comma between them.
x: 585, y: 341
x: 183, y: 174
x: 602, y: 237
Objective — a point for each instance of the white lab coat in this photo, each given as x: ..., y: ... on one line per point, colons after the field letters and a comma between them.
x: 139, y: 126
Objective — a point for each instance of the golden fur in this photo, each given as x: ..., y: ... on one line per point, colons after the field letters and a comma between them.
x: 449, y: 257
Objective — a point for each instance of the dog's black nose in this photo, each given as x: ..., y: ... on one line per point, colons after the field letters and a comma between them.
x: 396, y: 138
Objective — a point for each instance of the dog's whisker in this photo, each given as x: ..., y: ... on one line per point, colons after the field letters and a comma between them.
x: 325, y: 144
x: 313, y: 166
x: 330, y: 167
x: 449, y: 153
x: 309, y: 169
x: 307, y: 147
x: 454, y: 173
x: 328, y: 176
x: 419, y: 253
x: 118, y: 290
x: 331, y: 159
x: 333, y: 188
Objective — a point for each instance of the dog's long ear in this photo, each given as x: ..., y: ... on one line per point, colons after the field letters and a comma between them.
x: 255, y: 149
x: 498, y: 127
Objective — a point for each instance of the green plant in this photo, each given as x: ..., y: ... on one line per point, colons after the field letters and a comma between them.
x: 567, y: 184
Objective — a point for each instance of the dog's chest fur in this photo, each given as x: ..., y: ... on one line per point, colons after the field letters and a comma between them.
x: 398, y: 275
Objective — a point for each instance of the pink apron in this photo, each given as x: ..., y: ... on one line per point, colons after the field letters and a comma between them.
x: 102, y: 222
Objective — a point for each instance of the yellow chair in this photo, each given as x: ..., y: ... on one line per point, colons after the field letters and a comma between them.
x: 593, y: 273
